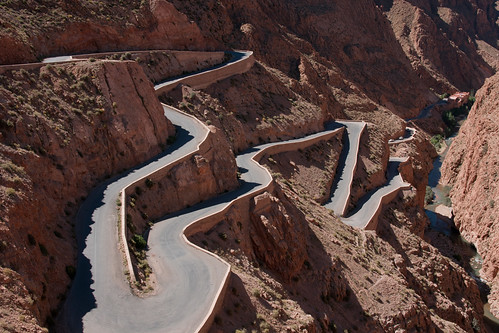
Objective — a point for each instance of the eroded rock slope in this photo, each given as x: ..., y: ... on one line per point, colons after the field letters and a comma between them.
x: 471, y: 168
x: 316, y: 61
x: 64, y: 129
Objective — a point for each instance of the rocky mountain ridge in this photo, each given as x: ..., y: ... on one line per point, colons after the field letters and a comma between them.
x: 309, y: 70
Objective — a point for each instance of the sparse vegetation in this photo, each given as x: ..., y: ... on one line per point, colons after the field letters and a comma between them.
x: 429, y: 195
x: 11, y: 192
x: 139, y: 242
x: 449, y: 116
x: 436, y: 141
x: 446, y: 201
x: 149, y: 183
x: 444, y: 95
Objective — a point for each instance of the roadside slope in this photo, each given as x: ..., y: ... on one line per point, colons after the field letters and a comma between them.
x: 58, y: 140
x: 34, y: 30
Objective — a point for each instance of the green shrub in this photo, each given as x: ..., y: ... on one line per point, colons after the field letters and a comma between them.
x: 126, y: 56
x: 449, y: 119
x: 11, y: 192
x: 242, y: 330
x: 472, y: 98
x: 447, y: 202
x: 436, y: 141
x: 139, y: 241
x: 429, y: 195
x: 149, y: 183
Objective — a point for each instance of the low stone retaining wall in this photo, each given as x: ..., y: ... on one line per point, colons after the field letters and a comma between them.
x: 397, y: 141
x: 156, y: 174
x: 206, y: 223
x: 204, y: 79
x: 386, y: 199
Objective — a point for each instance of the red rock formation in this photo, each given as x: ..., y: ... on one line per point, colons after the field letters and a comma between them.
x: 317, y: 61
x: 421, y: 153
x: 439, y: 38
x: 78, y: 27
x: 201, y: 176
x: 312, y: 169
x: 359, y: 55
x: 471, y: 168
x: 64, y: 129
x: 278, y: 234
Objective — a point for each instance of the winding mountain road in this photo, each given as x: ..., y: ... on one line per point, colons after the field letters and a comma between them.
x: 426, y: 112
x: 408, y: 136
x: 100, y: 299
x: 189, y: 280
x: 369, y: 206
x: 371, y: 203
x: 340, y: 191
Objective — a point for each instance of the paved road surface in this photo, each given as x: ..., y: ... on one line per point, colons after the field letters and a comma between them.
x: 235, y: 57
x: 57, y: 59
x: 100, y: 298
x: 340, y: 190
x: 426, y: 112
x: 408, y: 136
x: 188, y: 279
x: 367, y: 206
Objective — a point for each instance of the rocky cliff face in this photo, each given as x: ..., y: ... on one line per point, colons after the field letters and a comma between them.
x: 211, y: 171
x: 311, y: 42
x: 277, y: 235
x: 447, y: 42
x: 380, y: 281
x: 64, y: 129
x: 471, y: 168
x: 309, y: 171
x: 32, y: 30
